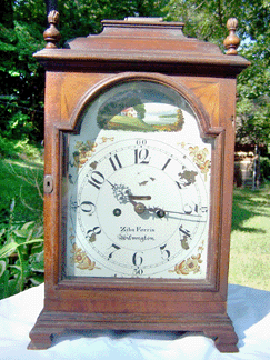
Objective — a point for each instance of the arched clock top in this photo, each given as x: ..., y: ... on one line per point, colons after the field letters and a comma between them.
x: 140, y: 95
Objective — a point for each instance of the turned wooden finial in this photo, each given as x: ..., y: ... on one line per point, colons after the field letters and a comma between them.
x: 232, y: 42
x: 52, y: 34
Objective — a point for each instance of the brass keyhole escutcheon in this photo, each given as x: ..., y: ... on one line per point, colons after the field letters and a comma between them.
x: 48, y: 184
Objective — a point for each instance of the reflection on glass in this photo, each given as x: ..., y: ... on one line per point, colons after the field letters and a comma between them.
x: 135, y: 187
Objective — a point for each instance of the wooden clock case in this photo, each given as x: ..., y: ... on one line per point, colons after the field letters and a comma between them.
x: 157, y: 51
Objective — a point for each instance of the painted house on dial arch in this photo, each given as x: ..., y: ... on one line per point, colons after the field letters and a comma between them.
x: 129, y: 112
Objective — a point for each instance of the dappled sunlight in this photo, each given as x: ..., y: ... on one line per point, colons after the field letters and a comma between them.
x: 27, y: 164
x: 248, y: 204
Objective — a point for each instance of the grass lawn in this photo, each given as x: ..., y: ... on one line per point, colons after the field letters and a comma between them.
x: 21, y: 235
x: 250, y: 239
x: 21, y: 182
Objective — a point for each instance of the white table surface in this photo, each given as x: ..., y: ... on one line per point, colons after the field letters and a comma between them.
x: 249, y: 310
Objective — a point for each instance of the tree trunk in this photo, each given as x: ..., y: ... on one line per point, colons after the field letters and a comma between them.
x: 256, y: 167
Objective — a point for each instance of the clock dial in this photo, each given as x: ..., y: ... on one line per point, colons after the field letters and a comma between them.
x: 137, y: 200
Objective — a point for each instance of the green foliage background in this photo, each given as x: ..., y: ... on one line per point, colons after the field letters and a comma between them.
x: 22, y: 23
x: 21, y: 230
x: 207, y: 20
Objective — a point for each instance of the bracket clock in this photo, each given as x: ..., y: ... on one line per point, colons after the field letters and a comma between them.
x: 139, y: 139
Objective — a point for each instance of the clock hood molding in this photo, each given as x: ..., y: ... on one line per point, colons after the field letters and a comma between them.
x: 143, y: 45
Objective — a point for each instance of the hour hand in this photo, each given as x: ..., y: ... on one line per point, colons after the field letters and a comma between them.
x: 138, y: 206
x: 123, y: 194
x: 134, y: 198
x: 120, y: 192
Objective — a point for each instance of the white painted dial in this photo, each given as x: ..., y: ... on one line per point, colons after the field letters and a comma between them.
x: 141, y: 208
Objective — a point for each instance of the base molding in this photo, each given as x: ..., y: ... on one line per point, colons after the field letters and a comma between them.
x: 53, y: 323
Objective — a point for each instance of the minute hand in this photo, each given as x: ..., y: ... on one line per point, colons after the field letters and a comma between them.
x: 164, y: 212
x: 182, y: 213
